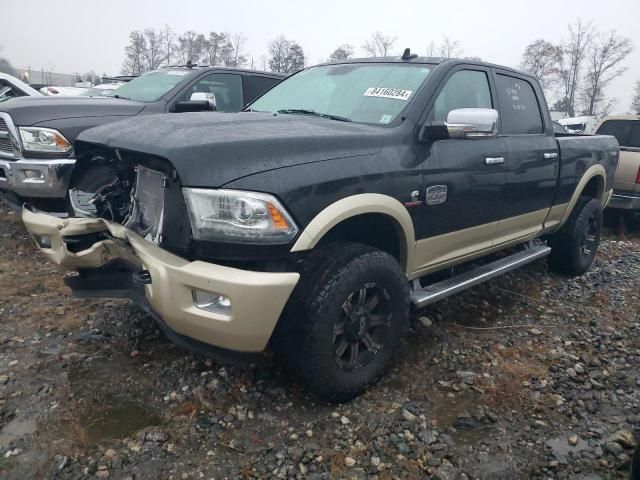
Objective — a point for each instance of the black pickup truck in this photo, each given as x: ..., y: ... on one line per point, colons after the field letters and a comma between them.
x: 316, y: 219
x: 36, y: 133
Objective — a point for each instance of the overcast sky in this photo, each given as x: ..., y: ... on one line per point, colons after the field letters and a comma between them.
x: 78, y: 36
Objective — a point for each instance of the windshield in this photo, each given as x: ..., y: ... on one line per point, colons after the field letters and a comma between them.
x: 151, y: 86
x: 358, y: 92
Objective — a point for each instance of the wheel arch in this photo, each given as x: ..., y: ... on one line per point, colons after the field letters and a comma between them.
x: 373, y: 206
x: 593, y: 184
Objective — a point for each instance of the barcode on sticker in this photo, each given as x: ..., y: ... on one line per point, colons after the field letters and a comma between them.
x: 397, y: 93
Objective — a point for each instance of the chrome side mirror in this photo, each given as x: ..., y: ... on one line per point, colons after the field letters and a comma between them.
x: 466, y: 123
x: 204, y: 96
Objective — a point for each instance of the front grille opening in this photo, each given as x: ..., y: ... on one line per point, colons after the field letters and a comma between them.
x: 3, y: 174
x: 6, y: 146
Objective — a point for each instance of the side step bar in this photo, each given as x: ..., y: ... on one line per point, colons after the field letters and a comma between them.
x: 437, y: 291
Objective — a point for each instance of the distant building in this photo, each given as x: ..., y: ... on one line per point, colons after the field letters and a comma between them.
x: 29, y: 75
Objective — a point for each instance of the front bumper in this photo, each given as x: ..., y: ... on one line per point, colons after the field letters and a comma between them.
x: 626, y: 201
x: 36, y: 178
x: 257, y: 298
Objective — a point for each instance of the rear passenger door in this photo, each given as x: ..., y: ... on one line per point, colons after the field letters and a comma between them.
x: 531, y: 157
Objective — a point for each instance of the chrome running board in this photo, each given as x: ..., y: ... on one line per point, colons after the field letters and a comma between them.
x: 437, y: 291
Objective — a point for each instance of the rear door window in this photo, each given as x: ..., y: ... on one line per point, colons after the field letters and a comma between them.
x: 519, y: 108
x: 634, y: 137
x: 464, y: 89
x: 255, y: 86
x: 621, y: 129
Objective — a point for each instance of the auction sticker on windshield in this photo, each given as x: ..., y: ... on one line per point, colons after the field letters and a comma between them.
x: 397, y: 93
x: 177, y: 72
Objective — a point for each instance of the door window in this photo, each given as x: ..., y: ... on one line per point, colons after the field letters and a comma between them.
x: 621, y: 129
x: 227, y: 87
x: 634, y: 138
x: 256, y: 86
x: 465, y: 89
x: 519, y: 109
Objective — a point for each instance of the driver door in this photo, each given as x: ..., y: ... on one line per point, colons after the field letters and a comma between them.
x: 468, y: 174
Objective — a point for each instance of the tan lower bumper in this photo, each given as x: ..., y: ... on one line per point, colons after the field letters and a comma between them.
x: 257, y: 298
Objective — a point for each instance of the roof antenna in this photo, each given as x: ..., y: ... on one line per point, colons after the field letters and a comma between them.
x: 190, y: 64
x: 407, y: 55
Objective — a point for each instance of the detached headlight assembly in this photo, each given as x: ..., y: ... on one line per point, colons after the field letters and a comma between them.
x: 238, y: 216
x: 37, y: 139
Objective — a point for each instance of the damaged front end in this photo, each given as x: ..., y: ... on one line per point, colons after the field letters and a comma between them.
x: 139, y: 250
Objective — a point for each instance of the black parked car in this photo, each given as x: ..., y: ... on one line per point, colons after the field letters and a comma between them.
x: 36, y: 133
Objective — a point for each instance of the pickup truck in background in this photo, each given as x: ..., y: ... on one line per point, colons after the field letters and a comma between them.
x: 316, y: 219
x: 11, y: 87
x: 36, y: 133
x: 626, y: 185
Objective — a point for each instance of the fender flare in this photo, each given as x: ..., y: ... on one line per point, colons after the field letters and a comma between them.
x: 352, y: 206
x: 592, y: 172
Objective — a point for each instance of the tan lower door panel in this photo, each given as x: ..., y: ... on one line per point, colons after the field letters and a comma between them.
x: 625, y: 180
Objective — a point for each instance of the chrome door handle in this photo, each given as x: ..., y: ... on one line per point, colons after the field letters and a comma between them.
x: 493, y: 160
x: 549, y: 156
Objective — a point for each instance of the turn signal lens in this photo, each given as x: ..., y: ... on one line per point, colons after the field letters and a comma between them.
x: 278, y: 220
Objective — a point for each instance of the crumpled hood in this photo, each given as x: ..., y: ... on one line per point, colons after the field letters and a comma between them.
x: 210, y: 149
x: 28, y: 111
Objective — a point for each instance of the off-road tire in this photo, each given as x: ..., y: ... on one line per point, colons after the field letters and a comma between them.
x: 304, y: 341
x: 569, y: 253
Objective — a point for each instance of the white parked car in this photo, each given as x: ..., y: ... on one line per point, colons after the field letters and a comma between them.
x: 102, y: 90
x: 66, y: 91
x: 583, y: 124
x: 11, y: 87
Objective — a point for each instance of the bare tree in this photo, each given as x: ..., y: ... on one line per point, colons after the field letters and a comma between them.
x: 218, y: 48
x: 635, y: 102
x: 134, y: 54
x: 285, y: 56
x: 342, y: 52
x: 191, y: 46
x: 569, y: 62
x: 168, y: 42
x: 237, y: 57
x: 154, y: 53
x: 540, y: 60
x: 278, y: 49
x: 450, y: 48
x: 603, y: 61
x: 379, y: 45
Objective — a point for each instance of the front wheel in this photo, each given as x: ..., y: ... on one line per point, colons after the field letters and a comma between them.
x: 575, y: 245
x: 344, y: 320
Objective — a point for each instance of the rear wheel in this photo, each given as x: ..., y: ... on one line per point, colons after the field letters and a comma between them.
x: 344, y: 320
x: 575, y: 245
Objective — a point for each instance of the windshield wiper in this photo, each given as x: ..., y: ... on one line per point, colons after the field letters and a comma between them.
x: 303, y: 111
x: 121, y: 98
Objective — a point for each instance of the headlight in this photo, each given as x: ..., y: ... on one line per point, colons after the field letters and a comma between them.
x: 39, y: 139
x: 237, y: 216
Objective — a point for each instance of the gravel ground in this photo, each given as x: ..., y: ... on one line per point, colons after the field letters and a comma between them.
x: 528, y: 376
